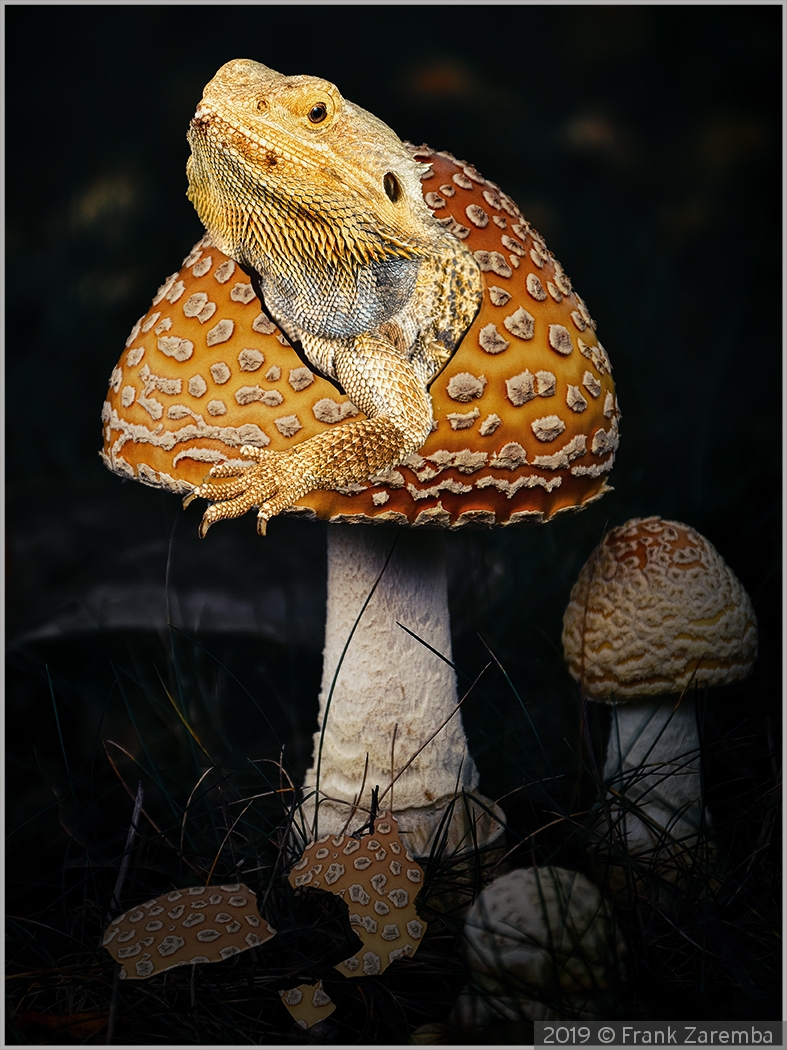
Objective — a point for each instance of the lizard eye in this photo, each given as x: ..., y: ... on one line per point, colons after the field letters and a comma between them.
x: 391, y: 186
x: 318, y: 113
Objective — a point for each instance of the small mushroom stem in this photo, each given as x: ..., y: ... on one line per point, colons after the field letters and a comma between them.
x: 652, y: 771
x: 385, y: 694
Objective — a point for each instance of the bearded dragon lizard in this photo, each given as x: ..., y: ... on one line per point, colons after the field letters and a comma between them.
x: 321, y: 204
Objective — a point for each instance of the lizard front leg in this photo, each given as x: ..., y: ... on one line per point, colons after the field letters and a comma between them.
x: 383, y: 383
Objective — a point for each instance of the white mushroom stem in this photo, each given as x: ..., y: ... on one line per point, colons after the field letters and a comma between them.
x: 653, y: 761
x: 386, y: 698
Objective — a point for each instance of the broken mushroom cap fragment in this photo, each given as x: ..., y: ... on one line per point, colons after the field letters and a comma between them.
x: 526, y: 419
x: 541, y: 944
x: 656, y: 610
x: 308, y: 1003
x: 379, y: 879
x: 200, y: 924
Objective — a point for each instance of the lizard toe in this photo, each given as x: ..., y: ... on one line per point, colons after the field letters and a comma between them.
x: 253, y: 452
x: 228, y: 470
x: 225, y: 489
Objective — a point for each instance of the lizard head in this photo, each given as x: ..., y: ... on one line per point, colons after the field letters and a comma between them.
x: 286, y: 164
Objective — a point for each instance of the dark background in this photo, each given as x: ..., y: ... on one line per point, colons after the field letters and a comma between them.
x: 643, y: 142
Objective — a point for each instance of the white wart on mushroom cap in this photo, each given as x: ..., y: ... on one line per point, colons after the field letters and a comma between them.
x: 540, y: 943
x: 201, y: 924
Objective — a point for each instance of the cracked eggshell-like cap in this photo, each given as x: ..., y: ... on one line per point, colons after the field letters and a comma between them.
x: 539, y: 942
x: 201, y: 924
x: 654, y: 609
x: 308, y: 1003
x: 526, y: 419
x: 379, y: 880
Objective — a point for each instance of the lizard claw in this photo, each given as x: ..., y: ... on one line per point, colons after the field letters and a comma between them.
x: 225, y: 470
x: 271, y: 482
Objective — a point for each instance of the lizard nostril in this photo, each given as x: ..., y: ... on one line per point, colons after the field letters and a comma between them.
x: 392, y: 187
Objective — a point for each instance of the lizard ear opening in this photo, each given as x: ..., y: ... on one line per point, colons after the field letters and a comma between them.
x: 392, y: 186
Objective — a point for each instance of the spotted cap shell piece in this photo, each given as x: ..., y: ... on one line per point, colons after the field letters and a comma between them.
x: 525, y: 411
x: 200, y: 924
x: 308, y: 1003
x: 656, y: 608
x: 379, y: 880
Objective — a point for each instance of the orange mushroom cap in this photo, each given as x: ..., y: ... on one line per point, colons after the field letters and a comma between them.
x: 526, y: 419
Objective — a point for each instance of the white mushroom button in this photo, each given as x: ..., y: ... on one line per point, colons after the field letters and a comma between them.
x: 539, y: 943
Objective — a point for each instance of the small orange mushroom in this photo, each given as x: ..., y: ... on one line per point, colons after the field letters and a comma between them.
x: 656, y: 610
